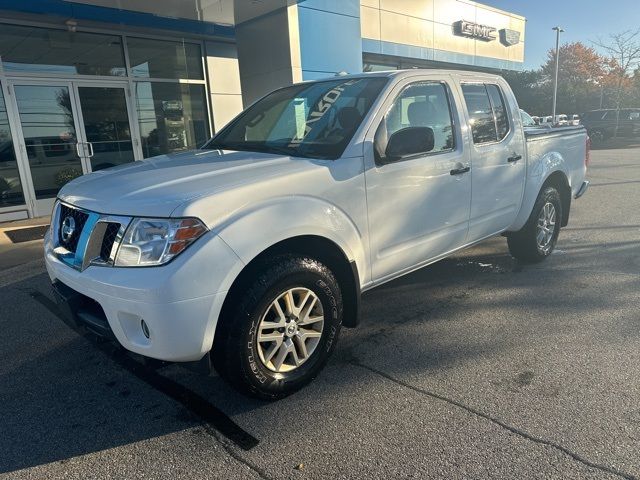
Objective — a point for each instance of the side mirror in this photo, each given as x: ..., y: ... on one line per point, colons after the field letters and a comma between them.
x: 409, y: 141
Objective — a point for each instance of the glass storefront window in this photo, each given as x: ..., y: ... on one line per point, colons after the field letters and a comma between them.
x: 46, y: 50
x: 172, y: 116
x: 10, y: 186
x: 164, y: 59
x: 377, y: 67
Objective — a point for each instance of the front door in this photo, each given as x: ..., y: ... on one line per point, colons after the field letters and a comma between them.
x: 68, y: 129
x: 418, y: 205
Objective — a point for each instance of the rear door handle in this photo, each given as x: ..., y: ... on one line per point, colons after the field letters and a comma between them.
x: 459, y: 171
x: 515, y: 158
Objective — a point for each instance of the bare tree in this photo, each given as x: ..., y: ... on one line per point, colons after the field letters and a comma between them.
x: 624, y: 50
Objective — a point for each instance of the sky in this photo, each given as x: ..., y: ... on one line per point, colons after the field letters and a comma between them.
x: 582, y: 20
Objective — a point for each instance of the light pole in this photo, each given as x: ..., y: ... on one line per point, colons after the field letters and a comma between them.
x: 555, y: 82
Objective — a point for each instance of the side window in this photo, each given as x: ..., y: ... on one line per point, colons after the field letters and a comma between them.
x: 483, y: 126
x: 499, y: 110
x: 420, y: 105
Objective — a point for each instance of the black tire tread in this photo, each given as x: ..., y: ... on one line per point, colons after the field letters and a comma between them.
x: 522, y: 244
x: 228, y: 349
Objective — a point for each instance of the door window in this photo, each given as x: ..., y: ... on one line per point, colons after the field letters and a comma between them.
x: 483, y: 126
x: 500, y: 111
x: 487, y: 112
x: 420, y: 105
x: 10, y: 186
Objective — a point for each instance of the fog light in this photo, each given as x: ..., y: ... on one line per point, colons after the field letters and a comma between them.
x: 145, y: 328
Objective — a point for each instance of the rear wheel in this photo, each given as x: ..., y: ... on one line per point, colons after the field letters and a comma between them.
x: 537, y: 239
x: 283, y: 329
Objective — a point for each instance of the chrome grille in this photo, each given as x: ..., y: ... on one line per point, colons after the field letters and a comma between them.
x: 79, y: 219
x: 95, y: 238
x: 110, y: 235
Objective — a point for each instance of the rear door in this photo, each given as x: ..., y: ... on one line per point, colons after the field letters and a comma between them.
x: 418, y: 205
x: 498, y: 155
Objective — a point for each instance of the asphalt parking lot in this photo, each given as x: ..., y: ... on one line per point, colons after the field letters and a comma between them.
x: 475, y: 367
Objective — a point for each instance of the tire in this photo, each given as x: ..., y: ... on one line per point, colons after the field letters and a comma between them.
x: 525, y: 244
x: 250, y: 364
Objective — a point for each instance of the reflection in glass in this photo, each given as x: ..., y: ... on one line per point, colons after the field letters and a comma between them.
x: 106, y: 125
x: 423, y: 105
x: 483, y: 126
x: 502, y: 122
x: 10, y: 186
x: 164, y: 59
x: 46, y: 50
x: 50, y: 136
x: 172, y: 117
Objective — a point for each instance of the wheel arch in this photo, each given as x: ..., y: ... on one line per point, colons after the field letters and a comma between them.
x: 535, y: 184
x: 315, y: 246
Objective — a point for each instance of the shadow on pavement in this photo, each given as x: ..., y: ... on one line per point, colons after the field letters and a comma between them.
x: 62, y: 397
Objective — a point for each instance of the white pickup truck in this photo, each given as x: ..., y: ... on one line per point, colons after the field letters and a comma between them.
x: 253, y: 250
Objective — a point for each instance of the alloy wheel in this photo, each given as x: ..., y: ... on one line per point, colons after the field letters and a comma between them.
x: 546, y: 227
x: 290, y: 330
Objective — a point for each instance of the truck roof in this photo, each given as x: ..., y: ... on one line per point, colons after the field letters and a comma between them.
x: 412, y: 72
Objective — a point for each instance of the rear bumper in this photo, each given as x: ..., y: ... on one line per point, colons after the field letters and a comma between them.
x: 582, y: 190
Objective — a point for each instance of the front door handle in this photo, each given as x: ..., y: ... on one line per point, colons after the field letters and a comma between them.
x: 460, y: 171
x: 515, y: 158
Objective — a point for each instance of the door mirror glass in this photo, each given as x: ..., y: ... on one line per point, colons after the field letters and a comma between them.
x: 409, y: 141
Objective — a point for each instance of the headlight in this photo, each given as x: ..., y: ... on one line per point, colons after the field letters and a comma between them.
x: 155, y: 241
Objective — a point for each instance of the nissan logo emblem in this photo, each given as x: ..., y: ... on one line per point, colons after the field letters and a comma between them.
x: 68, y: 229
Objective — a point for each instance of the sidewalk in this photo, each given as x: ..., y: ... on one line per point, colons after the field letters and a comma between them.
x: 15, y: 254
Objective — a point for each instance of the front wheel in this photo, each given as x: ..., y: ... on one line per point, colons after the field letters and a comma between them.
x: 537, y: 239
x: 283, y: 329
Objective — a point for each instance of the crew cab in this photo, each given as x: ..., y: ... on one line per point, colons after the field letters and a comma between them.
x: 252, y: 251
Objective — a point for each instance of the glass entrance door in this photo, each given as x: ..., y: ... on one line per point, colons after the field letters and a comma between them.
x: 49, y: 143
x: 11, y: 194
x: 69, y: 129
x: 104, y: 117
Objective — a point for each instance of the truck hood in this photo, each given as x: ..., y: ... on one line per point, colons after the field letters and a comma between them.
x: 155, y: 187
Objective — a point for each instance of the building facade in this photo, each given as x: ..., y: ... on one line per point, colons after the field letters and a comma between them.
x: 91, y: 84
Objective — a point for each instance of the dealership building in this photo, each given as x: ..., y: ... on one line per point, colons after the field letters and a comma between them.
x: 90, y: 84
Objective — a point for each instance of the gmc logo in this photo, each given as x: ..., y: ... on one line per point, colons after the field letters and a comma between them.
x: 474, y: 30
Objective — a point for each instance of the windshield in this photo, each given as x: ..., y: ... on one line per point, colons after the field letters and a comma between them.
x: 307, y: 120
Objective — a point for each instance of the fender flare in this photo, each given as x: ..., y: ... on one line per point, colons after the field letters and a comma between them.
x: 551, y: 168
x: 319, y: 227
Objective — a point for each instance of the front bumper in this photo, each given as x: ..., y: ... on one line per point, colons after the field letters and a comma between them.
x: 179, y: 302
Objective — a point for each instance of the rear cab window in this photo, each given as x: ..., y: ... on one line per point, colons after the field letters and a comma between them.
x: 487, y: 109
